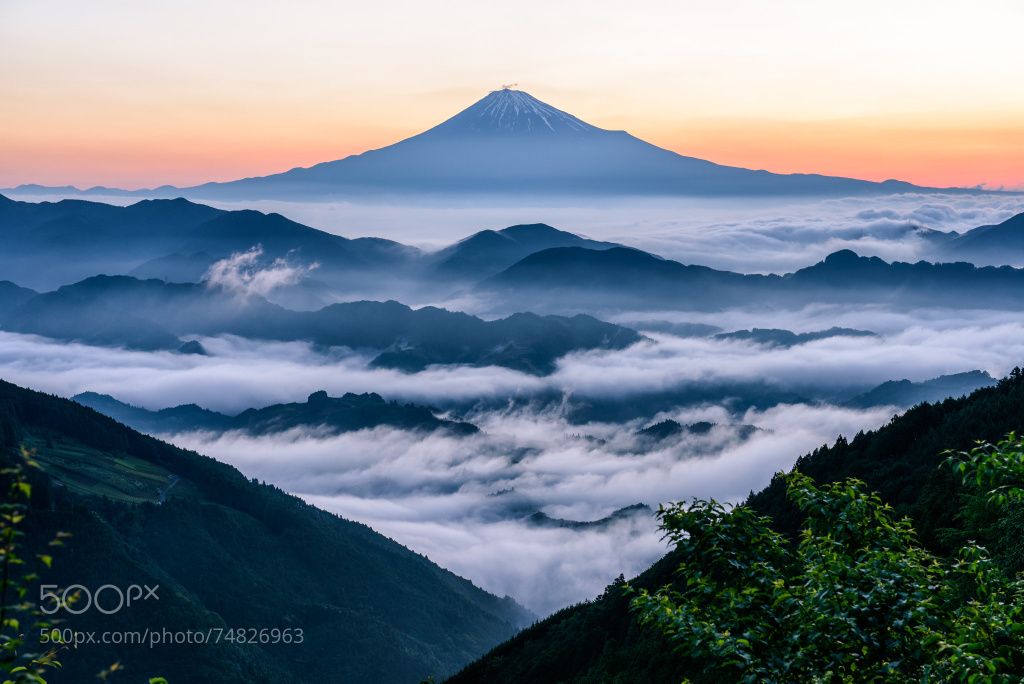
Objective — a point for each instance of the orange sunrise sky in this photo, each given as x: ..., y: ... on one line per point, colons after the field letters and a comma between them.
x: 137, y: 95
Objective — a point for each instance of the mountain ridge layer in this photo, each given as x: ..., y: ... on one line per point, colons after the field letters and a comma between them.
x: 179, y: 241
x: 331, y: 414
x: 151, y: 315
x: 582, y: 279
x: 49, y: 244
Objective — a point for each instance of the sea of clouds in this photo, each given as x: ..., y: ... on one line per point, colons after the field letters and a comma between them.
x: 241, y: 373
x: 762, y: 235
x: 748, y: 235
x: 463, y: 501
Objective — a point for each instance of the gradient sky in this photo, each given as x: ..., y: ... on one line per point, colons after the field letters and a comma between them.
x: 138, y: 94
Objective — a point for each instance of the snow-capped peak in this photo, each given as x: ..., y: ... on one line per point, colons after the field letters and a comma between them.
x: 508, y: 111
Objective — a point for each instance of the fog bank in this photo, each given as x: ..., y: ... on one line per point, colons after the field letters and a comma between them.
x: 464, y: 502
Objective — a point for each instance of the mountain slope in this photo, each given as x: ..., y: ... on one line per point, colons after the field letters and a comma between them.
x: 602, y: 641
x: 12, y: 295
x: 998, y: 244
x: 905, y: 393
x: 486, y: 253
x: 510, y: 142
x: 49, y: 244
x: 229, y: 552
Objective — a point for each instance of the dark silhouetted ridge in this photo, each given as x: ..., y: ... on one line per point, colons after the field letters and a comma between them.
x: 228, y: 551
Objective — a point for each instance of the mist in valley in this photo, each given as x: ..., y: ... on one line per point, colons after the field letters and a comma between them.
x: 541, y: 503
x: 546, y: 443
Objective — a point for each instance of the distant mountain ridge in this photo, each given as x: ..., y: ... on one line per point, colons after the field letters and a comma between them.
x: 510, y: 143
x: 994, y: 244
x: 488, y: 252
x: 331, y: 414
x: 904, y: 393
x: 583, y: 279
x: 541, y: 519
x: 48, y: 244
x: 523, y: 268
x: 153, y: 315
x: 774, y: 337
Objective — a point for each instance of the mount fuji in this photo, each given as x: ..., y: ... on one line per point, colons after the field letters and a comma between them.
x: 511, y: 143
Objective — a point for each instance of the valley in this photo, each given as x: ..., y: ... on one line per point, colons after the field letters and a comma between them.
x: 455, y: 433
x: 424, y: 401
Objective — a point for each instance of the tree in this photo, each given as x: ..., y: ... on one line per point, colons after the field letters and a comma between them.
x: 855, y: 599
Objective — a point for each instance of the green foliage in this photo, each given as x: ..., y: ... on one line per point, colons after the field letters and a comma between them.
x: 228, y: 552
x: 996, y: 469
x: 600, y: 641
x: 856, y: 599
x: 21, y: 621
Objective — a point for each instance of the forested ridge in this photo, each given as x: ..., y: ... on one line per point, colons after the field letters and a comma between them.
x: 230, y: 553
x: 602, y: 641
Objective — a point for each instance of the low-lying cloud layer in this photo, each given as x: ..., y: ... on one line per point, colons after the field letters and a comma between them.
x: 463, y: 501
x: 916, y: 353
x: 788, y: 238
x: 241, y: 373
x: 768, y: 235
x: 748, y: 235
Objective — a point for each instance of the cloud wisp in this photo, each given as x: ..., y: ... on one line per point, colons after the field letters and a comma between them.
x: 243, y: 272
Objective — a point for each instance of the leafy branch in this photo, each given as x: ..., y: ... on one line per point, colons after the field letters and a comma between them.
x: 854, y: 599
x: 19, y: 616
